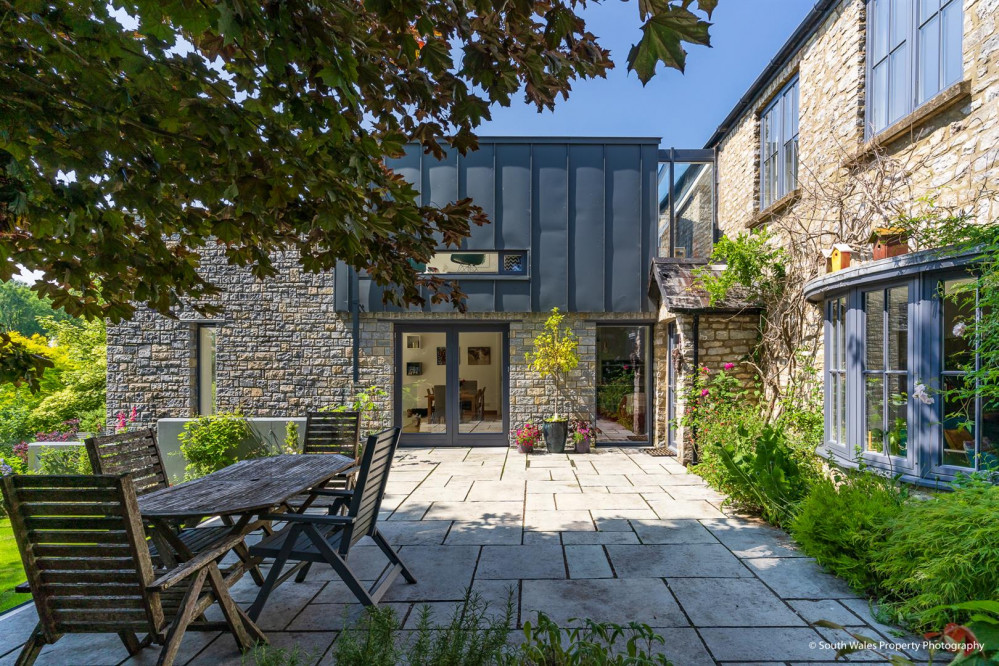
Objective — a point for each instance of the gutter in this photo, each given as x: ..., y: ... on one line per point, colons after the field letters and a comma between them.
x: 804, y: 30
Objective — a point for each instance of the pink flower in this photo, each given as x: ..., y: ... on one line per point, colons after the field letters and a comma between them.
x: 704, y: 393
x: 133, y: 415
x: 729, y: 366
x: 705, y: 370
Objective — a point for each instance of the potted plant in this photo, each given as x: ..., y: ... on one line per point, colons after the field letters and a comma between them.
x: 527, y: 436
x: 554, y: 356
x: 583, y: 435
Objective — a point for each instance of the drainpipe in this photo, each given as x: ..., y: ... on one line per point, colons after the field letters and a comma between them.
x: 355, y: 320
x: 697, y: 368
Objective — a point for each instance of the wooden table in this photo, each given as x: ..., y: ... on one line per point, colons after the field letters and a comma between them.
x: 237, y: 494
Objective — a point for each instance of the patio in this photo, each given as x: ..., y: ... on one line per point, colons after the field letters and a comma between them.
x: 616, y: 535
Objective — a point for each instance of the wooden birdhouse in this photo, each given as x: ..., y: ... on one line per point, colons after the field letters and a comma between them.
x: 837, y: 257
x: 889, y: 242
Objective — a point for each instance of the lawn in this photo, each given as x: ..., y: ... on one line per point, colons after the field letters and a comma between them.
x: 11, y: 571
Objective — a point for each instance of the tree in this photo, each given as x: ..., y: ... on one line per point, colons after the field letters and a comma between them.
x: 21, y: 308
x: 134, y: 137
x: 555, y: 355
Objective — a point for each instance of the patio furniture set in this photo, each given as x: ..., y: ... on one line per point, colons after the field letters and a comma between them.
x: 124, y: 552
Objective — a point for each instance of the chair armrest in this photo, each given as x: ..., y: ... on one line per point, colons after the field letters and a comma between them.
x: 315, y: 519
x: 350, y: 471
x: 23, y: 588
x: 195, y: 564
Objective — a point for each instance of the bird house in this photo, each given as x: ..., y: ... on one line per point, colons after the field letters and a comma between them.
x: 889, y: 242
x: 837, y: 257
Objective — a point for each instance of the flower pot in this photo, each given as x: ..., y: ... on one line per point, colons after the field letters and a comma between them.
x: 555, y: 434
x: 525, y: 448
x: 583, y: 445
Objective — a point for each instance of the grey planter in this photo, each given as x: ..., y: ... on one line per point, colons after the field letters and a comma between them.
x: 555, y: 434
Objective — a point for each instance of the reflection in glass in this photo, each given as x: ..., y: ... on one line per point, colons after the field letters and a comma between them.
x: 424, y: 382
x: 958, y: 325
x: 689, y: 199
x: 874, y: 409
x: 480, y: 386
x: 874, y: 305
x: 622, y: 382
x: 897, y: 425
x: 898, y: 328
x: 207, y: 403
x: 958, y: 424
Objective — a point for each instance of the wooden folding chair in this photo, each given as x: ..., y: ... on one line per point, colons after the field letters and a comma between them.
x: 89, y: 569
x: 311, y: 538
x: 138, y: 453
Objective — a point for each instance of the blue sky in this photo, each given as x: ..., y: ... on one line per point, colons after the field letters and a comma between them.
x: 683, y: 109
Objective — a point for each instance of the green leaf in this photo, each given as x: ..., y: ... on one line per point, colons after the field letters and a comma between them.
x: 662, y: 36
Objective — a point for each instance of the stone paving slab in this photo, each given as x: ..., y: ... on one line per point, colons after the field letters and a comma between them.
x: 614, y: 536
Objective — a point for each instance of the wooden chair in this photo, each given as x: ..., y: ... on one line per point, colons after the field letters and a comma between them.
x: 138, y: 453
x: 439, y: 414
x: 331, y: 432
x: 311, y: 538
x: 84, y: 549
x: 480, y: 404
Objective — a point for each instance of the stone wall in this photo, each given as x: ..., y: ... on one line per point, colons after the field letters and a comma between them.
x: 282, y: 349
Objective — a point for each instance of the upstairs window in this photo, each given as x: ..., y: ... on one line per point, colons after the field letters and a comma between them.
x: 914, y: 52
x: 779, y: 146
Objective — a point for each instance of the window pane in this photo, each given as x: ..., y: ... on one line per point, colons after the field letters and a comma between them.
x: 841, y: 354
x: 900, y: 83
x: 842, y: 408
x: 898, y: 328
x: 790, y: 166
x: 794, y: 108
x: 953, y: 29
x: 988, y: 446
x: 899, y: 30
x: 958, y: 320
x: 897, y: 436
x: 622, y: 381
x: 424, y: 382
x: 206, y: 370
x: 874, y: 409
x: 879, y: 30
x: 879, y: 97
x: 480, y: 384
x: 927, y: 8
x: 874, y: 307
x: 929, y: 59
x: 958, y: 425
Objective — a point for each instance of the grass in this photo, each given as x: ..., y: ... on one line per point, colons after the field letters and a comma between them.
x: 11, y: 571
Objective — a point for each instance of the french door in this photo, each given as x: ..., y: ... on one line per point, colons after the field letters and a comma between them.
x: 451, y: 384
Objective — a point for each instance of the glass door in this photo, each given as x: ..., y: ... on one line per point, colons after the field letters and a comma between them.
x: 622, y: 383
x: 451, y: 386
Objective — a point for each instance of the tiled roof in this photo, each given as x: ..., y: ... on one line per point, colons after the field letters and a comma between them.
x: 679, y: 290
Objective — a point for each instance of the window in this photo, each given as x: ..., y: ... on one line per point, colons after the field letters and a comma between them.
x: 886, y: 377
x: 480, y: 263
x: 914, y: 52
x: 969, y: 429
x: 779, y: 146
x: 205, y: 372
x: 836, y: 364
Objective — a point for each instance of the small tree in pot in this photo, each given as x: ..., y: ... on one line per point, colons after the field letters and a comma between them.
x: 555, y: 356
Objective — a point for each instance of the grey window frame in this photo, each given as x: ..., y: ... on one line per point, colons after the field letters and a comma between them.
x: 906, y: 70
x: 837, y: 372
x: 784, y: 110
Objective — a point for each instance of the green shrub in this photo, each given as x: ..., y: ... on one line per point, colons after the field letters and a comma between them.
x: 64, y: 460
x: 842, y: 518
x: 765, y: 477
x: 592, y: 644
x: 291, y: 438
x: 211, y: 443
x: 940, y: 551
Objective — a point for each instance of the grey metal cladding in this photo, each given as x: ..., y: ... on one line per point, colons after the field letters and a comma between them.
x: 583, y: 208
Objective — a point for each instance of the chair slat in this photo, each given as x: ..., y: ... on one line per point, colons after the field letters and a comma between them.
x: 136, y: 453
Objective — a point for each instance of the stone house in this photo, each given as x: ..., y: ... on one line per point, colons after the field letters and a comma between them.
x: 870, y: 107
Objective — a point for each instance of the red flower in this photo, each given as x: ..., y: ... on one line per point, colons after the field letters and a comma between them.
x: 729, y: 366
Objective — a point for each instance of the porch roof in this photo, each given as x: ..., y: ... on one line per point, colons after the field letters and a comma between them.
x: 677, y: 288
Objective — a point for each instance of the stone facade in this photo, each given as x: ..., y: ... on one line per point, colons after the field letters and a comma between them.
x: 282, y: 349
